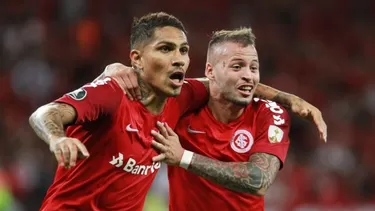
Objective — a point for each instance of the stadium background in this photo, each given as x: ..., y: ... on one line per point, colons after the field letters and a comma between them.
x: 321, y: 50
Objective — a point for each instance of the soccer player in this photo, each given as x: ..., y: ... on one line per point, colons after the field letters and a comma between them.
x: 233, y: 147
x: 98, y: 122
x: 112, y: 133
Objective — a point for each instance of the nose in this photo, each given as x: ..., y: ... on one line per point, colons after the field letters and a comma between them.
x: 178, y: 62
x: 247, y: 76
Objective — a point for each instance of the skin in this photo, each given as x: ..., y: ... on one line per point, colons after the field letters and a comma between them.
x: 164, y: 53
x: 230, y: 66
x: 127, y: 78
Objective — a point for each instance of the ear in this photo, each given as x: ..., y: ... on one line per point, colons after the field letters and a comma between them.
x: 135, y: 57
x: 209, y: 71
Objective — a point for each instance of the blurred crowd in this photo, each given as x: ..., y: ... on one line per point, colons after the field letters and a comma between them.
x: 320, y: 50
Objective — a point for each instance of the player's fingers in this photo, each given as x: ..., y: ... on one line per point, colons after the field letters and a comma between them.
x: 123, y: 85
x: 162, y: 129
x: 137, y: 91
x: 66, y: 154
x: 82, y: 148
x: 158, y: 146
x: 158, y: 158
x: 170, y: 131
x: 59, y: 157
x: 158, y: 137
x: 129, y: 87
x: 321, y: 125
x: 73, y: 155
x: 126, y: 90
x: 119, y: 82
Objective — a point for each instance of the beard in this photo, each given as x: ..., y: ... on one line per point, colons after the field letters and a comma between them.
x: 236, y: 100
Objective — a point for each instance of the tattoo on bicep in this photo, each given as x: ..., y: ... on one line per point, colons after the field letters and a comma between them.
x: 52, y: 119
x: 67, y: 113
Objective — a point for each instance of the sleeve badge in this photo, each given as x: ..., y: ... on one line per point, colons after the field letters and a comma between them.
x: 275, y: 134
x: 78, y: 94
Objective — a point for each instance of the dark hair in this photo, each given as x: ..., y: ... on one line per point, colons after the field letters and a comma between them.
x: 143, y: 28
x: 244, y: 36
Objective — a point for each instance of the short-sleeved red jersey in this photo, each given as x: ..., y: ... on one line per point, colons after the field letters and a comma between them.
x: 117, y: 134
x: 262, y: 128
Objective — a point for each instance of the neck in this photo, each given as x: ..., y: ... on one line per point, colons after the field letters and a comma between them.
x: 153, y: 101
x: 223, y: 110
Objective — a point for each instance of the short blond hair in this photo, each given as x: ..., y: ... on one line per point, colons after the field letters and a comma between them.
x: 243, y: 36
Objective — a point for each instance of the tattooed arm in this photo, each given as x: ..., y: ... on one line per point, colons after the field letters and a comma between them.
x: 297, y: 105
x: 269, y: 93
x: 253, y: 177
x: 49, y: 121
x: 127, y: 79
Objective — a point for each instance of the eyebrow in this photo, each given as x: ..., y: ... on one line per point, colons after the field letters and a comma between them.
x: 238, y: 59
x: 171, y: 43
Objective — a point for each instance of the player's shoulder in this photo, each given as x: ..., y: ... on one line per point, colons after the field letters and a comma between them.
x: 197, y: 83
x: 266, y: 110
x: 91, y: 89
x: 261, y: 104
x: 104, y: 82
x: 192, y: 87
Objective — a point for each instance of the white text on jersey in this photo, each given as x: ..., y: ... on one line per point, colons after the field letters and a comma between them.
x: 277, y: 120
x: 98, y: 83
x: 132, y: 167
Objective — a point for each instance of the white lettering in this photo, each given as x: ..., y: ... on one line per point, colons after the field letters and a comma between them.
x: 147, y: 168
x: 274, y: 108
x: 98, y: 83
x: 278, y: 120
x: 117, y: 161
x: 129, y: 165
x: 132, y: 167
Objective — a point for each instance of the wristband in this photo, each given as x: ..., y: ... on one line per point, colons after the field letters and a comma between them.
x: 186, y: 159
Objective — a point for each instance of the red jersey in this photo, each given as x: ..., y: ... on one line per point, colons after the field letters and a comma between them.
x: 262, y: 128
x: 117, y: 134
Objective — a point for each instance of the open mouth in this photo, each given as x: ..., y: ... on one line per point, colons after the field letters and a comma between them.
x: 245, y: 89
x: 177, y: 78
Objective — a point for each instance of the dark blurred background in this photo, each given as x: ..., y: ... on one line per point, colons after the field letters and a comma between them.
x: 321, y: 50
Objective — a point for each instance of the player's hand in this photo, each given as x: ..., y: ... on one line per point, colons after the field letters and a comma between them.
x: 68, y: 150
x: 311, y: 113
x: 127, y: 79
x: 168, y: 143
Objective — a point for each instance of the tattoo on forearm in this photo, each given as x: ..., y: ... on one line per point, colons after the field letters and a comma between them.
x: 50, y: 120
x: 282, y: 98
x: 269, y: 93
x: 252, y: 177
